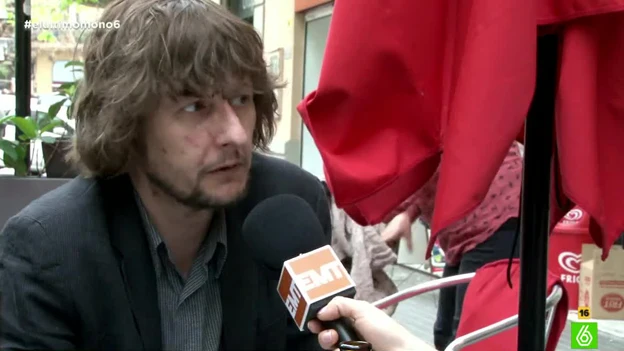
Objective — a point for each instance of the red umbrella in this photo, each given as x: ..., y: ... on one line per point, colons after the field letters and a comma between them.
x: 407, y: 85
x: 404, y: 81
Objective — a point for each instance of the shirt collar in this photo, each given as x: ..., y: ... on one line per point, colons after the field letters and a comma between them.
x: 217, y: 234
x: 218, y: 230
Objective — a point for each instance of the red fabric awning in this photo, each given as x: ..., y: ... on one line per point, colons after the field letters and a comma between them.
x: 404, y: 82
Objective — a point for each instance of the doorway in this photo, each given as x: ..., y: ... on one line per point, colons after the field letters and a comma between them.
x: 316, y: 30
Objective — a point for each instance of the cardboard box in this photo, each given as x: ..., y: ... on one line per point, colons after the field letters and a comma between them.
x: 602, y: 282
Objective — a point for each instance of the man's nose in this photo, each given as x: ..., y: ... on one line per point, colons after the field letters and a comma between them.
x: 231, y: 130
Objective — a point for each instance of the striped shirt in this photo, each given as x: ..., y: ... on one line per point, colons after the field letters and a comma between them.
x: 190, y: 310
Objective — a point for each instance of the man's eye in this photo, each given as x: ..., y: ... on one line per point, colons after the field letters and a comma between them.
x: 194, y: 107
x: 240, y: 100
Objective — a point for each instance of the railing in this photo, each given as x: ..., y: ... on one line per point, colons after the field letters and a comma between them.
x: 471, y: 338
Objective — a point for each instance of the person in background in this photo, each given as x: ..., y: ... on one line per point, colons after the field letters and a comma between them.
x: 145, y: 250
x: 485, y: 235
x: 363, y: 253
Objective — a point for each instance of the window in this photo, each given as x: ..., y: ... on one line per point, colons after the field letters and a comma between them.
x: 62, y: 74
x: 251, y: 11
x: 317, y: 30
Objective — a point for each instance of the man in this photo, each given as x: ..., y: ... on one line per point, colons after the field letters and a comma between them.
x: 146, y: 252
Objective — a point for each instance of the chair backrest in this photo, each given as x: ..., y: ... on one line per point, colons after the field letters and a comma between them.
x: 18, y: 192
x: 491, y: 307
x: 426, y: 287
x: 463, y: 341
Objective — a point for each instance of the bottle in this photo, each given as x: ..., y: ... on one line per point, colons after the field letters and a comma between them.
x: 355, y: 345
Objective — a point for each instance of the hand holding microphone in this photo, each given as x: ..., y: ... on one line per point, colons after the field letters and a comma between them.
x: 374, y: 325
x: 285, y: 235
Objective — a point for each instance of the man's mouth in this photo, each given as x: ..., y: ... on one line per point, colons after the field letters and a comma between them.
x: 226, y: 168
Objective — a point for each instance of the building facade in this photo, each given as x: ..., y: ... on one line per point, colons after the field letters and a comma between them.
x: 294, y: 34
x: 314, y: 17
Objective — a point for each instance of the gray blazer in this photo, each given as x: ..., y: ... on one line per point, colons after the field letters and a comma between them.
x: 76, y: 272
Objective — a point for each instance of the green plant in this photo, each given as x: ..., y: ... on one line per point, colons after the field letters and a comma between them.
x: 95, y: 3
x: 68, y: 91
x: 38, y: 128
x: 6, y: 70
x: 33, y: 130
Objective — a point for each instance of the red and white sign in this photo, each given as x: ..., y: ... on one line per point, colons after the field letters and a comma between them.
x: 564, y: 251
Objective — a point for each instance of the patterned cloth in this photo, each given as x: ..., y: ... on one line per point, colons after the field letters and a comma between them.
x: 501, y: 203
x: 365, y: 255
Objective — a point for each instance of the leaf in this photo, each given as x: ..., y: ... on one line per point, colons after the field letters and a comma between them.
x: 55, y: 108
x: 9, y: 148
x: 6, y: 119
x: 19, y: 166
x: 17, y: 163
x: 74, y: 63
x: 71, y: 91
x: 42, y: 119
x: 27, y: 126
x: 67, y: 86
x: 53, y: 124
x: 21, y: 152
x: 46, y: 37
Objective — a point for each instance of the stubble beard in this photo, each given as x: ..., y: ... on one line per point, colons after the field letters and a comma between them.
x: 196, y: 199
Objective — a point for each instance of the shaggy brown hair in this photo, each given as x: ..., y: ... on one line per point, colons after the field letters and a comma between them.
x: 162, y: 48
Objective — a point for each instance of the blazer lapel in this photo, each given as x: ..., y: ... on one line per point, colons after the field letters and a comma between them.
x: 129, y: 239
x: 239, y: 288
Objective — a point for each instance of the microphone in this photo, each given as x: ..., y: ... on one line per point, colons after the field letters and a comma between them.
x: 283, y: 227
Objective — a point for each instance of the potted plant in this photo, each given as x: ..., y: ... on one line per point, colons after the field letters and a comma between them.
x: 55, y: 153
x: 33, y: 130
x: 47, y: 128
x: 44, y: 132
x: 25, y: 184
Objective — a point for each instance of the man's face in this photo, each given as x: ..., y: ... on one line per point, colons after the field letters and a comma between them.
x: 198, y: 151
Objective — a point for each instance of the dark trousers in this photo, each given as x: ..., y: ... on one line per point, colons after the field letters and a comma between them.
x: 451, y: 299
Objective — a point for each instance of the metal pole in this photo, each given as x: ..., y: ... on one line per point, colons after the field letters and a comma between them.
x: 22, y: 60
x: 534, y: 221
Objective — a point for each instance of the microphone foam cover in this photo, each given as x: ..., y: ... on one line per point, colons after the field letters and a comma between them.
x: 280, y: 228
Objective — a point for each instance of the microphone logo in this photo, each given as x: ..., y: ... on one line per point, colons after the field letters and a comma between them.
x: 308, y: 282
x: 322, y: 281
x: 293, y: 299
